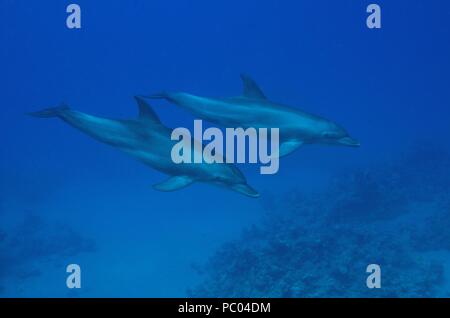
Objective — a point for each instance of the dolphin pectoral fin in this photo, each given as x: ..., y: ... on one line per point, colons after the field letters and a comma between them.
x: 251, y: 89
x: 289, y: 146
x: 173, y: 183
x: 245, y: 189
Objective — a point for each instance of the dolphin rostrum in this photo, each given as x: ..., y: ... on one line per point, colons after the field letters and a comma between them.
x: 253, y: 109
x: 149, y: 141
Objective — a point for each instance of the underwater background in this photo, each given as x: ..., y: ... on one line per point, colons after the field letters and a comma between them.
x: 327, y: 214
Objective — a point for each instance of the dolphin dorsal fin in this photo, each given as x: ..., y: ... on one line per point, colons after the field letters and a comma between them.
x: 251, y: 89
x: 146, y: 112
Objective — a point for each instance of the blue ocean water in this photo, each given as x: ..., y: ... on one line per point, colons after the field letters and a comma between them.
x: 65, y: 198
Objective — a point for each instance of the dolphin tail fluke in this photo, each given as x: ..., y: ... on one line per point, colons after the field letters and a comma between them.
x: 50, y: 112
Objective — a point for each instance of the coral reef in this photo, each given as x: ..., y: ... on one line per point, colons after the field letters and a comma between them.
x: 320, y: 245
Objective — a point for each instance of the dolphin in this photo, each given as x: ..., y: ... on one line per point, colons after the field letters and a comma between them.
x: 149, y: 141
x: 253, y: 109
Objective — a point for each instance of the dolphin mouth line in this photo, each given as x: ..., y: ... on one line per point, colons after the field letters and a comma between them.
x: 348, y: 141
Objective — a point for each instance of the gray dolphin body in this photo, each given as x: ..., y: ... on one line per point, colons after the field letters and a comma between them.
x: 149, y: 141
x: 253, y: 109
